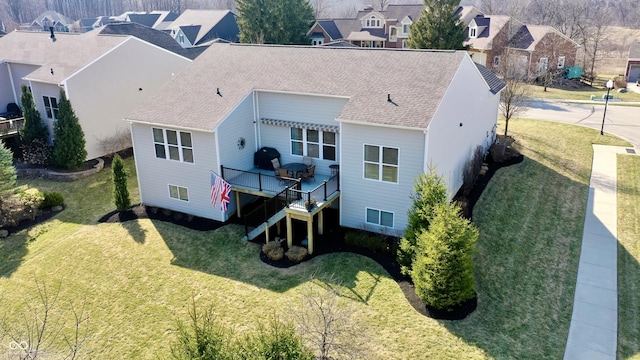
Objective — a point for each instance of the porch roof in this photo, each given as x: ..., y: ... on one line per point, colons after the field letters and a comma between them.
x: 301, y: 125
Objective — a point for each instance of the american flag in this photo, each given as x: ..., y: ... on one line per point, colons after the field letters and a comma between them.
x: 220, y: 190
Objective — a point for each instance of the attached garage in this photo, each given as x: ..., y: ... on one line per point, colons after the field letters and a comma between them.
x: 633, y: 63
x: 633, y: 73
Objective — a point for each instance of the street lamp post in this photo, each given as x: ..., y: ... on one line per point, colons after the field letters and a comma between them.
x: 606, y: 102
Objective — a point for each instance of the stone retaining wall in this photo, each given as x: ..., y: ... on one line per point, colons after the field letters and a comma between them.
x: 60, y: 176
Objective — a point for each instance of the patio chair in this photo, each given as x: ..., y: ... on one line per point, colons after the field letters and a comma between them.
x: 282, y: 175
x: 309, y: 174
x: 276, y: 165
x: 307, y: 160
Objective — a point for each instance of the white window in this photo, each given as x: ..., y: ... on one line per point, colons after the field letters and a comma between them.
x: 473, y: 30
x: 542, y: 64
x: 313, y: 143
x: 317, y: 41
x: 405, y: 28
x: 51, y: 107
x: 181, y: 37
x: 173, y: 145
x: 373, y: 21
x: 496, y: 61
x: 178, y: 193
x: 404, y: 44
x: 379, y: 217
x: 393, y: 34
x: 561, y: 61
x: 381, y: 163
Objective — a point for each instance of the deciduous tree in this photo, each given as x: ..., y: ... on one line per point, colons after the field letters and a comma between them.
x: 68, y: 138
x: 514, y: 97
x: 438, y: 27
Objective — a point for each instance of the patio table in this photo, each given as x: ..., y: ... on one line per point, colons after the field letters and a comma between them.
x: 295, y: 169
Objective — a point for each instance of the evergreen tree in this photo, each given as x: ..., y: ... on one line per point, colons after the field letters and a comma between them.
x: 68, y: 137
x: 443, y: 269
x: 33, y: 127
x: 7, y: 172
x: 429, y: 191
x: 438, y: 27
x: 274, y: 21
x: 120, y: 192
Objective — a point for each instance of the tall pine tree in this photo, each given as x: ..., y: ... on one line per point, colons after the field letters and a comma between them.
x: 33, y: 127
x: 438, y: 27
x: 274, y: 21
x: 68, y: 137
x: 7, y: 173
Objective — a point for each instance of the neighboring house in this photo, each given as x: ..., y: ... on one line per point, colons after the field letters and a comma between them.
x: 632, y: 71
x: 104, y: 77
x: 200, y: 27
x: 380, y: 29
x: 381, y: 131
x: 157, y: 20
x: 536, y: 47
x: 47, y: 19
x: 155, y: 37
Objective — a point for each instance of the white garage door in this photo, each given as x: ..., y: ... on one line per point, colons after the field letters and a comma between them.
x: 634, y: 73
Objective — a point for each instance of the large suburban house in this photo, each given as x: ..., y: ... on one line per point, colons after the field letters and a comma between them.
x: 534, y: 48
x: 370, y: 28
x: 104, y: 77
x: 49, y: 19
x: 632, y: 71
x: 369, y: 133
x: 200, y: 27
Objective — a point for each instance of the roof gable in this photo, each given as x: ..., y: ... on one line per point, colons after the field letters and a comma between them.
x: 206, y: 20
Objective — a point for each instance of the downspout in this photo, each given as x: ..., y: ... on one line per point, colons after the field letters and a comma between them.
x: 425, y: 168
x: 13, y: 86
x: 529, y: 67
x: 256, y: 120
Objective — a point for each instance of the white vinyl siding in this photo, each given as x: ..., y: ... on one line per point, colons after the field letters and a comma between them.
x: 236, y: 126
x: 6, y: 92
x: 358, y: 193
x: 178, y: 193
x: 308, y: 109
x: 381, y: 163
x: 173, y: 145
x: 379, y: 217
x: 154, y: 175
x: 101, y: 101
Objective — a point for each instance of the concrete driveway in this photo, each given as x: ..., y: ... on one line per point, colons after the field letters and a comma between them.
x: 623, y: 121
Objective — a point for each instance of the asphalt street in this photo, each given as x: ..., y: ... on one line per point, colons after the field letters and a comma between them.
x: 623, y: 121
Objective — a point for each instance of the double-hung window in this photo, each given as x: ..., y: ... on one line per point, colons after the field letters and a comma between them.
x: 178, y: 192
x: 173, y: 145
x: 51, y: 106
x: 313, y: 143
x: 379, y: 217
x: 381, y: 163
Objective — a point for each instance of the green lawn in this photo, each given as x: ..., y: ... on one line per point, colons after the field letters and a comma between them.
x: 628, y: 257
x: 537, y: 91
x: 138, y: 277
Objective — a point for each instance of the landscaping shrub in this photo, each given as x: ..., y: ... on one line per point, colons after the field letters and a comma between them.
x: 276, y: 254
x: 271, y: 245
x: 296, y: 253
x: 443, y: 269
x: 119, y: 174
x: 33, y: 128
x: 278, y: 341
x: 366, y: 241
x: 51, y: 199
x: 68, y: 138
x: 471, y: 170
x: 429, y: 191
x: 37, y: 152
x: 8, y: 174
x: 19, y: 207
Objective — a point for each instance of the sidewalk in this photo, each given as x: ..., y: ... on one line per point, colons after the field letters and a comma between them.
x: 593, y: 333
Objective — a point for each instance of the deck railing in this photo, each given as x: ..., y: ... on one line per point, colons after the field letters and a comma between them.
x: 288, y: 192
x: 10, y: 126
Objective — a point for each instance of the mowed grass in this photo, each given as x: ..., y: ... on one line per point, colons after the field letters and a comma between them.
x: 536, y: 91
x: 138, y: 277
x: 628, y: 257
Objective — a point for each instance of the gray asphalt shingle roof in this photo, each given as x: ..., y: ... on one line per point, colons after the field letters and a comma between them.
x: 493, y: 81
x: 417, y: 84
x: 153, y: 36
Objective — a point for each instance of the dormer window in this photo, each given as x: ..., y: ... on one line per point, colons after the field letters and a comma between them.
x: 405, y: 28
x: 373, y: 21
x: 473, y: 31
